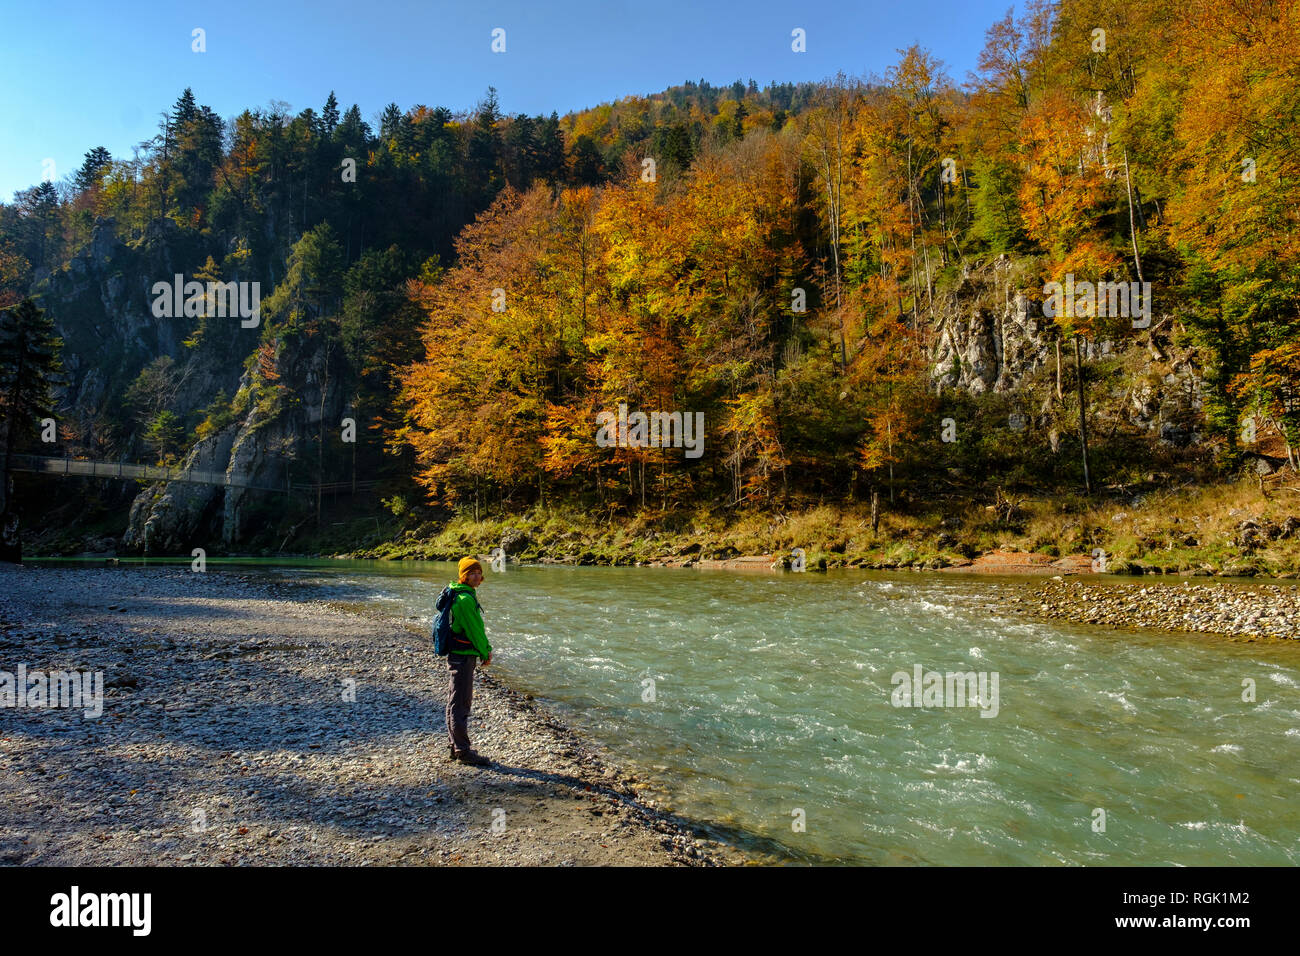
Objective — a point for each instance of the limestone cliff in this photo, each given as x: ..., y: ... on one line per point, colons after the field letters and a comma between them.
x: 273, y: 442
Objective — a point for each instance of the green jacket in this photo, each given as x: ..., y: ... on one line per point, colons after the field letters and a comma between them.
x: 468, y: 634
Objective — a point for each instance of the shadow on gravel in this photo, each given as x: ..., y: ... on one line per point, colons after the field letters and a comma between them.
x: 316, y: 720
x: 271, y: 584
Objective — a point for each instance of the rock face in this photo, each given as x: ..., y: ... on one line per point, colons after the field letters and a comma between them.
x: 278, y: 429
x: 101, y: 305
x: 102, y: 308
x: 1167, y: 401
x: 990, y: 339
x: 987, y: 337
x: 172, y: 517
x: 985, y: 350
x: 311, y: 403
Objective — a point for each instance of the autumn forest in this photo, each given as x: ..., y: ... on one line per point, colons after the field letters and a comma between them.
x: 845, y: 278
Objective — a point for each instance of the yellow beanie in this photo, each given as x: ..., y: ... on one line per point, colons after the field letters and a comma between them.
x: 466, y: 566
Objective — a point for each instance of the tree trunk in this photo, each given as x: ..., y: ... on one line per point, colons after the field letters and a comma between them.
x: 1083, y: 419
x: 1132, y: 229
x: 889, y: 445
x: 875, y: 510
x: 1059, y: 396
x: 11, y: 545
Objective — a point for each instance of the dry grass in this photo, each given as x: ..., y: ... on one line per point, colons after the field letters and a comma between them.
x: 1169, y: 530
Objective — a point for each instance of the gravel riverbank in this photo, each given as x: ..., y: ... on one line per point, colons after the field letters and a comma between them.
x: 1252, y: 611
x: 227, y: 738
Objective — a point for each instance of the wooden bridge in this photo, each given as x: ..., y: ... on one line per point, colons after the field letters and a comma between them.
x: 36, y: 464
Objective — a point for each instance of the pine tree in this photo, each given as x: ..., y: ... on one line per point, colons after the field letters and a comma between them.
x: 329, y: 116
x: 738, y: 122
x: 390, y: 121
x: 485, y: 150
x: 521, y: 151
x: 41, y: 203
x: 588, y: 164
x: 29, y: 365
x: 92, y: 169
x: 353, y: 131
x: 550, y: 150
x: 185, y: 109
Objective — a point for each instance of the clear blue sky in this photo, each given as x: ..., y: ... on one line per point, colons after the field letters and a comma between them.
x: 86, y: 73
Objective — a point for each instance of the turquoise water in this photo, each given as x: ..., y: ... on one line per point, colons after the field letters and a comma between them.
x: 773, y: 694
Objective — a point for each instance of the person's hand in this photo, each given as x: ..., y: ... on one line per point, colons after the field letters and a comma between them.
x: 488, y: 660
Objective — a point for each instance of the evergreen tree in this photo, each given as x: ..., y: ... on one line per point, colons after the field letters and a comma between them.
x: 550, y: 150
x: 390, y: 121
x: 588, y: 164
x: 353, y: 131
x: 185, y: 109
x: 42, y: 234
x: 521, y: 151
x: 738, y: 122
x: 166, y: 436
x: 92, y: 169
x: 195, y: 160
x: 329, y: 117
x: 485, y: 150
x: 29, y: 365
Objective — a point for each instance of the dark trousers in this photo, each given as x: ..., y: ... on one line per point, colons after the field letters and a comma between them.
x: 460, y: 696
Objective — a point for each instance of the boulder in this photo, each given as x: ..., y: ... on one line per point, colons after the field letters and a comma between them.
x: 514, y: 541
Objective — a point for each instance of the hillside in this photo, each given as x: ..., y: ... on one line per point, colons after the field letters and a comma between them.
x: 821, y: 296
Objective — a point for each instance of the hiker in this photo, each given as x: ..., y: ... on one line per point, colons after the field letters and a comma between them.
x: 469, y: 643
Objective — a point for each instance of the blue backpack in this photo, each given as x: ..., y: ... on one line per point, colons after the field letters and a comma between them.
x: 442, y: 623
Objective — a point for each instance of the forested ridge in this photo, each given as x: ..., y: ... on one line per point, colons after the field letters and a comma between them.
x: 845, y: 278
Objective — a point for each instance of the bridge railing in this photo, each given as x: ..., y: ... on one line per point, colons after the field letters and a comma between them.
x: 39, y: 464
x: 119, y: 469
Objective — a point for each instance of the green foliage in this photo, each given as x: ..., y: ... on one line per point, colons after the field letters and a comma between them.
x: 30, y: 366
x: 218, y: 415
x: 997, y: 213
x: 311, y: 288
x: 165, y: 435
x: 154, y: 388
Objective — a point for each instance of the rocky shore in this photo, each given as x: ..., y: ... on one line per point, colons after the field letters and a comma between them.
x: 244, y: 726
x: 1257, y: 611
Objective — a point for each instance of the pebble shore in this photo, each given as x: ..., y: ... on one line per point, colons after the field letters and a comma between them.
x: 1257, y: 611
x: 228, y: 738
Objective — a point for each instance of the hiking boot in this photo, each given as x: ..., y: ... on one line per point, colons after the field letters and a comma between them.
x: 473, y: 757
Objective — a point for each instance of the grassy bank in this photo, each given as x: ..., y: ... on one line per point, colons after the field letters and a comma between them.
x: 1233, y: 529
